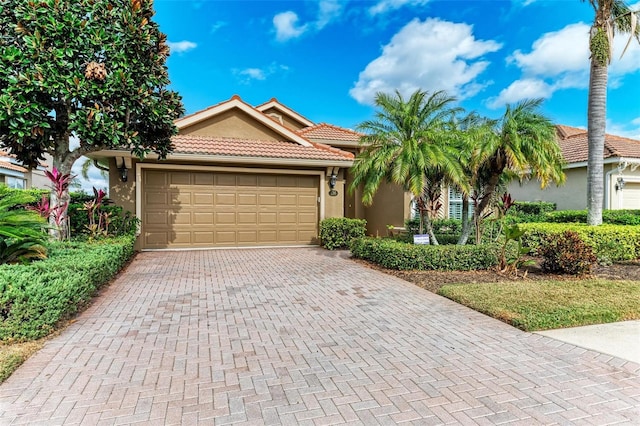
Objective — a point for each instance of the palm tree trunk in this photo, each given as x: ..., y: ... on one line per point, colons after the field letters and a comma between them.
x: 596, y: 128
x: 466, y: 223
x: 429, y: 229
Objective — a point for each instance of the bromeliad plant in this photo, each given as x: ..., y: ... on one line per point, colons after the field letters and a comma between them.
x: 99, y: 220
x: 59, y: 201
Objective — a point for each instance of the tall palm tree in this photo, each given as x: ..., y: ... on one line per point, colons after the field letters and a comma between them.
x: 406, y: 143
x: 610, y: 16
x: 521, y: 144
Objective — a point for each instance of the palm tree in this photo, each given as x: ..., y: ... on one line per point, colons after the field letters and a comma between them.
x: 610, y: 16
x: 521, y: 144
x: 406, y: 143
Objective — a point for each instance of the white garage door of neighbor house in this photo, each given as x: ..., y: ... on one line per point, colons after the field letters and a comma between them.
x: 631, y: 195
x: 184, y: 209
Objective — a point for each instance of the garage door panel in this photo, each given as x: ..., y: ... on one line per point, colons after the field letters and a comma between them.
x: 267, y: 200
x: 247, y: 237
x: 156, y: 198
x: 287, y: 199
x: 202, y: 199
x: 206, y: 209
x: 225, y: 237
x: 245, y: 199
x: 203, y: 218
x: 180, y: 178
x: 181, y: 218
x: 247, y: 218
x: 203, y: 237
x: 224, y: 179
x: 631, y: 195
x: 203, y: 179
x: 225, y: 218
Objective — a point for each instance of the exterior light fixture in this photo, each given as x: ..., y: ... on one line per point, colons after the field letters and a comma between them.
x: 620, y: 184
x: 333, y: 179
x: 124, y: 171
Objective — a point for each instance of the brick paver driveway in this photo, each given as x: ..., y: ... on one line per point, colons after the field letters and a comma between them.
x: 303, y: 336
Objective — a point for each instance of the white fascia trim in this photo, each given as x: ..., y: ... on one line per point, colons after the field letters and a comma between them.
x: 238, y: 159
x: 286, y: 110
x: 610, y: 160
x: 11, y: 173
x: 257, y: 115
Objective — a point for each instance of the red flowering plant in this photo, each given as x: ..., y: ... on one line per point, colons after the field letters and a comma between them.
x: 99, y: 220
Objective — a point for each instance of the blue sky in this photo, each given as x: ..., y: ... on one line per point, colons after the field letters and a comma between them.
x: 326, y: 59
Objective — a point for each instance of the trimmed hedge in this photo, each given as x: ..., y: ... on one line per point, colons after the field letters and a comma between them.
x: 610, y: 217
x: 34, y: 298
x: 392, y: 254
x: 610, y: 243
x: 337, y: 232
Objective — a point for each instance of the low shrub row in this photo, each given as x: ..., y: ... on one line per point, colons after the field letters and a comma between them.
x: 610, y: 217
x: 337, y: 232
x: 610, y: 243
x: 401, y: 256
x: 35, y: 297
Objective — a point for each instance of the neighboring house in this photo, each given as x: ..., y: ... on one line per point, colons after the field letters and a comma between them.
x: 621, y: 174
x: 14, y: 175
x: 246, y: 176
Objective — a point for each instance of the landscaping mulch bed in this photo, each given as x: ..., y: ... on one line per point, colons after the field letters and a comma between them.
x: 433, y: 280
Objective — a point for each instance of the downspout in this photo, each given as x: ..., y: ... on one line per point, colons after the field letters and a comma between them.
x: 607, y: 188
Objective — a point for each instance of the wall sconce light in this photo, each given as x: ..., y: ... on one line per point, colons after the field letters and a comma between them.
x: 333, y: 179
x: 620, y: 184
x: 124, y: 171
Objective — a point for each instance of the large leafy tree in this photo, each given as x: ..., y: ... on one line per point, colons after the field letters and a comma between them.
x: 407, y: 143
x: 611, y: 16
x: 87, y: 71
x: 521, y: 144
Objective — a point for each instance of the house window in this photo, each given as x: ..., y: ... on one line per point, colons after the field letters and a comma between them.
x: 455, y: 205
x: 16, y: 183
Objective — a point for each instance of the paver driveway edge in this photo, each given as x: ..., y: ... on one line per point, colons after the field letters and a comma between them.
x: 303, y: 336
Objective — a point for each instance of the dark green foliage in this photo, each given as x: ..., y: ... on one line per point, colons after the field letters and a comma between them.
x: 401, y: 256
x: 612, y: 217
x: 122, y: 222
x: 34, y: 298
x: 440, y: 226
x: 566, y: 253
x: 337, y: 232
x: 21, y: 230
x: 524, y: 211
x: 610, y: 243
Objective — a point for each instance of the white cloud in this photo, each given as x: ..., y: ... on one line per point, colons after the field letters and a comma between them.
x: 430, y: 55
x: 560, y: 60
x: 629, y: 130
x: 521, y: 89
x: 181, y: 46
x: 286, y: 24
x: 383, y: 6
x: 248, y: 75
x: 216, y: 26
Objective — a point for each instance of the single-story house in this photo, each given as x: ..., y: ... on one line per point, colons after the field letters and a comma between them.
x: 14, y: 175
x: 621, y: 174
x: 241, y: 175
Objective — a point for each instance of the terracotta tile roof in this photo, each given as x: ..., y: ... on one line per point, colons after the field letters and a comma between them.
x: 256, y: 148
x: 574, y: 145
x: 330, y: 132
x: 10, y: 166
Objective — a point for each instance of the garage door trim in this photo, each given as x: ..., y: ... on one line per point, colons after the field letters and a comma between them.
x: 141, y: 166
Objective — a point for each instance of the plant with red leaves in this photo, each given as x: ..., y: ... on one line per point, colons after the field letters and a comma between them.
x: 98, y: 220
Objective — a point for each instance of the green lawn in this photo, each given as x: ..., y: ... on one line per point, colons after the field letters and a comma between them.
x: 543, y: 305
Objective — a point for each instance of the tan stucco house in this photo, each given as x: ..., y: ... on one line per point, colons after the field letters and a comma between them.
x: 241, y: 175
x: 621, y: 174
x: 14, y: 175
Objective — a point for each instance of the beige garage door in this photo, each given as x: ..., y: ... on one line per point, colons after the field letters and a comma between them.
x: 182, y: 209
x: 631, y: 195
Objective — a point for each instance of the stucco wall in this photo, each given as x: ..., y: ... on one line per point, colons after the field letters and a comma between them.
x: 232, y: 124
x: 334, y: 206
x: 287, y: 121
x: 570, y: 196
x: 390, y: 207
